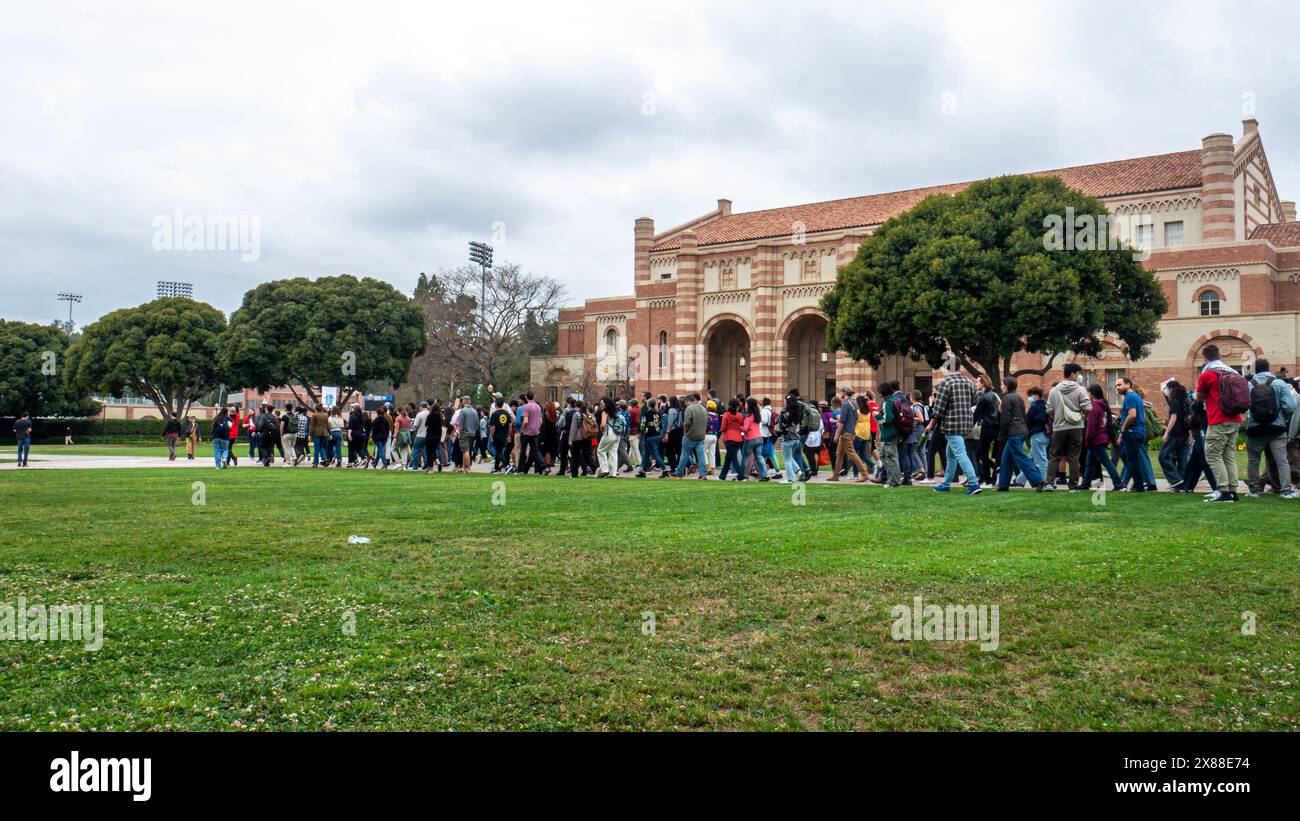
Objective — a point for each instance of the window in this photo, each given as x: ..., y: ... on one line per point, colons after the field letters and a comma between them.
x: 727, y: 276
x: 663, y: 351
x: 1209, y: 302
x: 1173, y: 234
x: 810, y: 273
x: 613, y: 366
x: 1143, y: 239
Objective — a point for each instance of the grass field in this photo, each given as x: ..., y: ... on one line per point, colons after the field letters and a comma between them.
x: 235, y: 614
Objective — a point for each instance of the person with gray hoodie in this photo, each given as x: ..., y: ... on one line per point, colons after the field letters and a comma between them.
x: 1067, y: 407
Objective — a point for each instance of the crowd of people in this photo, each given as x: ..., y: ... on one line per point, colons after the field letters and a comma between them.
x: 992, y: 437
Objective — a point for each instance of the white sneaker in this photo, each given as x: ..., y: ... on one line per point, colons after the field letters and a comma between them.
x: 1291, y: 494
x: 1212, y: 497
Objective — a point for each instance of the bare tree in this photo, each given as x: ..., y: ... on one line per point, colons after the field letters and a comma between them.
x: 468, y: 345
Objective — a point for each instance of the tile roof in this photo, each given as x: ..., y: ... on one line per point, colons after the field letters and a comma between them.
x: 1161, y: 172
x: 1281, y: 234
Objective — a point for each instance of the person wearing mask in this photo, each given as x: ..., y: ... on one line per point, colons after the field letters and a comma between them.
x: 1012, y: 430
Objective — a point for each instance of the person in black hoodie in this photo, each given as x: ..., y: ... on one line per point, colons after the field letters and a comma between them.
x: 356, y: 436
x: 988, y: 417
x: 433, y: 437
x: 379, y: 436
x: 1174, y: 450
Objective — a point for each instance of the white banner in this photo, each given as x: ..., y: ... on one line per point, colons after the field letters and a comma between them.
x: 329, y: 397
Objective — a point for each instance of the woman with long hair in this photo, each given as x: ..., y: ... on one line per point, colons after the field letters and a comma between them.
x: 613, y: 426
x: 1097, y: 439
x: 988, y: 415
x: 752, y: 442
x: 336, y: 424
x: 1174, y: 450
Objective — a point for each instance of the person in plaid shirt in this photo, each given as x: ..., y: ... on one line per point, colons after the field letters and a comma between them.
x: 954, y: 416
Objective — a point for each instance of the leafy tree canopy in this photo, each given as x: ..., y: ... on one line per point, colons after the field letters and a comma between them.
x: 32, y: 365
x: 164, y: 351
x: 973, y: 274
x: 337, y: 330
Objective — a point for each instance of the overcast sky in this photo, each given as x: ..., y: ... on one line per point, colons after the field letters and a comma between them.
x: 379, y: 139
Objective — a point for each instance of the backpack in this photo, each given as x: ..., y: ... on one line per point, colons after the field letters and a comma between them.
x: 810, y: 420
x: 1155, y: 425
x: 619, y: 424
x: 905, y: 421
x: 1234, y: 392
x: 1264, y: 407
x: 649, y: 422
x: 1199, y: 419
x: 221, y: 428
x: 589, y: 428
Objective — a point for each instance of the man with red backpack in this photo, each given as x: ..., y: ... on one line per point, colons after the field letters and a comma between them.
x: 1227, y: 395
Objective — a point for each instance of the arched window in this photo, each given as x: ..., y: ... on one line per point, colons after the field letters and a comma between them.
x: 663, y: 350
x: 1209, y: 302
x: 612, y: 368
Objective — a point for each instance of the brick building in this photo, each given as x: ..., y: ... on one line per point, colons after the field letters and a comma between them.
x: 729, y: 300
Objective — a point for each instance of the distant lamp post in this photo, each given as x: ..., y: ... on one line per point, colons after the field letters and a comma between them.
x: 69, y: 298
x: 825, y: 356
x: 742, y: 360
x: 480, y: 253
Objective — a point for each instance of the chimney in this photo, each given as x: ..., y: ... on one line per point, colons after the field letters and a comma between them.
x: 724, y: 206
x: 1288, y: 210
x: 1249, y: 127
x: 1218, y: 204
x: 644, y: 233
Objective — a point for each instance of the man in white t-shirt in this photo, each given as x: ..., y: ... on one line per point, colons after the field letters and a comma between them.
x: 420, y: 431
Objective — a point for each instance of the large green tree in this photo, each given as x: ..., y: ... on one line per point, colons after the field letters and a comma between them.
x: 32, y: 364
x: 337, y: 330
x: 164, y: 351
x: 983, y: 274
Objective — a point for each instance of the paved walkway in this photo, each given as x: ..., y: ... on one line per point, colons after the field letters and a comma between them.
x: 59, y: 461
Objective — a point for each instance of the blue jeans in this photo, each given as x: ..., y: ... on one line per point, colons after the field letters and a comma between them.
x: 253, y: 439
x: 1013, y: 456
x: 320, y: 446
x: 692, y: 448
x: 1038, y: 443
x: 1099, y: 458
x: 957, y: 458
x: 417, y: 454
x: 791, y: 453
x: 220, y: 449
x: 24, y: 449
x: 381, y: 451
x: 753, y: 450
x: 768, y: 450
x: 650, y: 453
x: 1135, y: 465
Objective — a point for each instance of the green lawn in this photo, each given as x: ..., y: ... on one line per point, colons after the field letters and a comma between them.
x: 768, y: 615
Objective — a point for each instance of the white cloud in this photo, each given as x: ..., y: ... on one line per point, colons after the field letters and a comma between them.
x: 380, y: 140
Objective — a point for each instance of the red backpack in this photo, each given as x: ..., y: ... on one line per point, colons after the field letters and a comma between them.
x: 906, y: 420
x: 1234, y: 393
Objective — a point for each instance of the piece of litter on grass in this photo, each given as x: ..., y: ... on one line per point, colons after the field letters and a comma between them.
x: 358, y: 540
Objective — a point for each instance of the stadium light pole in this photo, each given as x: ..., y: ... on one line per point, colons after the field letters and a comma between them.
x: 69, y: 298
x: 481, y: 253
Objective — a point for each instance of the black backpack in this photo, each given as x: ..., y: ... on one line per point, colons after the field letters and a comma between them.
x: 1264, y: 408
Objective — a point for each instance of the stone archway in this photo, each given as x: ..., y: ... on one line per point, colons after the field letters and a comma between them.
x: 728, y: 350
x: 809, y: 366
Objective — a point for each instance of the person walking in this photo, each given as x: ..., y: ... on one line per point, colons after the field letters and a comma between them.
x: 171, y: 434
x: 380, y: 429
x: 953, y: 415
x: 1099, y: 433
x: 289, y: 435
x: 221, y: 437
x: 23, y: 435
x: 787, y: 426
x: 1067, y: 408
x: 1012, y: 430
x: 191, y: 433
x: 337, y: 424
x: 1268, y: 420
x: 319, y: 428
x: 614, y: 425
x: 846, y: 442
x: 651, y: 431
x: 1132, y: 432
x: 731, y: 427
x: 1226, y: 394
x: 753, y: 440
x: 1177, y: 436
x: 695, y: 423
x: 467, y: 421
x: 501, y: 424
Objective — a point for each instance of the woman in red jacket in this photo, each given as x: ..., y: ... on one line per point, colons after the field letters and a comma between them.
x: 234, y: 434
x: 733, y: 437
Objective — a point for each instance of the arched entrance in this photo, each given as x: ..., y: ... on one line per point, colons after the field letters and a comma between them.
x: 728, y: 352
x: 809, y: 366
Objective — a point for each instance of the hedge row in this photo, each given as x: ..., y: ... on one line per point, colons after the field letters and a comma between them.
x: 88, y: 429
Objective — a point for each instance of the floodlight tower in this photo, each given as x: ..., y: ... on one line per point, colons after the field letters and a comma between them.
x: 69, y: 298
x: 481, y: 253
